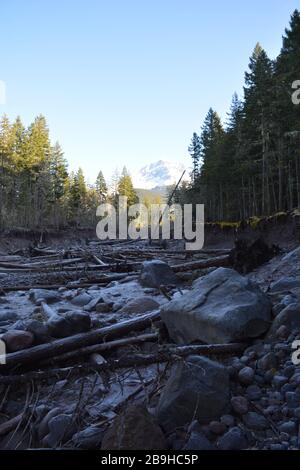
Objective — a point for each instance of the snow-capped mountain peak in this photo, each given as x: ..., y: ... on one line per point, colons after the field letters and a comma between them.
x: 161, y: 173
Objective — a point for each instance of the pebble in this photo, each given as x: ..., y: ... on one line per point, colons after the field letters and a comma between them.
x: 269, y: 361
x: 228, y: 420
x: 246, y: 375
x: 292, y: 399
x: 234, y: 439
x: 289, y: 427
x: 217, y: 427
x: 279, y: 380
x: 255, y: 421
x: 253, y: 392
x: 239, y: 405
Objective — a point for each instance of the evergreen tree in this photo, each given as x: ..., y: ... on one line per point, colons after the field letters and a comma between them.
x: 195, y: 152
x: 101, y: 188
x: 58, y: 170
x: 125, y: 188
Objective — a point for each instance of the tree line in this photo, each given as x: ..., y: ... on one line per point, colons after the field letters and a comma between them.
x: 251, y: 164
x: 37, y: 191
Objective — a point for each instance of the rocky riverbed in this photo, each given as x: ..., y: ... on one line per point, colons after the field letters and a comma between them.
x: 155, y: 389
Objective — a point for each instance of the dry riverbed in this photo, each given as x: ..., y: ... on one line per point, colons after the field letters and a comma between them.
x: 104, y: 337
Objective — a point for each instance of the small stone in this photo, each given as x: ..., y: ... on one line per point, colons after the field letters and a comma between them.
x: 287, y: 388
x: 104, y: 307
x: 216, y: 427
x: 239, y: 405
x: 279, y: 380
x: 228, y: 420
x: 253, y: 392
x: 292, y: 399
x: 97, y: 359
x: 282, y: 332
x: 234, y: 439
x: 296, y: 413
x: 276, y: 447
x: 81, y: 300
x: 246, y: 375
x: 255, y: 421
x: 198, y: 441
x: 295, y: 379
x: 289, y: 427
x: 269, y: 361
x: 289, y: 371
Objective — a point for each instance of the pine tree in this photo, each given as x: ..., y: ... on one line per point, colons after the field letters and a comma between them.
x: 58, y: 170
x: 195, y: 152
x: 101, y: 188
x: 125, y: 188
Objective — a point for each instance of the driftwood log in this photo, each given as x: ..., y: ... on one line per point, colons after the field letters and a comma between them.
x: 220, y: 261
x: 61, y: 346
x: 138, y: 360
x: 97, y: 348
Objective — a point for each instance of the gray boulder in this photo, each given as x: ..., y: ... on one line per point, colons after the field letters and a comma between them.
x: 82, y: 299
x: 42, y: 295
x: 140, y: 305
x: 222, y: 307
x: 198, y: 388
x: 157, y: 273
x: 69, y: 324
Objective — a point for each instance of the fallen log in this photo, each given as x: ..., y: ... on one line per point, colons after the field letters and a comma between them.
x: 138, y: 360
x: 39, y: 266
x: 220, y: 261
x: 86, y: 351
x: 61, y: 346
x: 11, y: 424
x: 102, y: 282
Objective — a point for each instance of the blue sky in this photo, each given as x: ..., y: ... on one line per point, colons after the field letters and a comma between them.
x: 128, y: 82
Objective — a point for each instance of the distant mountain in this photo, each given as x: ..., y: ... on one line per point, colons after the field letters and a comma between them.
x: 154, y: 195
x: 158, y: 175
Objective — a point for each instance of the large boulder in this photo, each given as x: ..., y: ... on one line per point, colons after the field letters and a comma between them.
x: 222, y: 307
x: 134, y: 429
x: 198, y: 388
x: 157, y: 273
